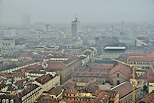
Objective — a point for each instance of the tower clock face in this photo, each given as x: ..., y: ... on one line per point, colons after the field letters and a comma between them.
x: 44, y: 65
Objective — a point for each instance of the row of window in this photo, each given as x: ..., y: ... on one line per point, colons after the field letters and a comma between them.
x: 140, y: 63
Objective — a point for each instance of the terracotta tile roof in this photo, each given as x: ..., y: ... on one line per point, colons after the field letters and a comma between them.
x: 21, y: 82
x: 84, y: 80
x: 148, y: 98
x: 28, y: 89
x: 150, y: 55
x: 4, y: 96
x: 91, y: 87
x: 46, y: 99
x: 55, y: 65
x: 70, y: 60
x: 71, y: 90
x: 90, y: 74
x: 151, y: 80
x: 149, y: 73
x: 34, y: 67
x: 136, y: 54
x: 46, y: 52
x: 62, y: 56
x: 25, y: 55
x: 141, y: 76
x: 124, y: 89
x: 55, y: 91
x: 69, y: 83
x: 37, y: 72
x: 57, y: 52
x: 2, y: 86
x: 100, y: 66
x: 105, y: 94
x: 123, y: 69
x: 141, y: 59
x: 44, y: 79
x: 12, y: 75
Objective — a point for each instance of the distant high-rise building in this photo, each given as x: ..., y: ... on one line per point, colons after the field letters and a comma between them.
x: 25, y: 21
x: 74, y: 27
x: 10, y: 32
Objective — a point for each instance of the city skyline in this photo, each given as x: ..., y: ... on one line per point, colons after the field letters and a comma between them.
x: 63, y: 11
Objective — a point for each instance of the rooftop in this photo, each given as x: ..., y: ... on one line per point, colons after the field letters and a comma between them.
x: 90, y: 74
x: 124, y: 89
x: 44, y: 78
x: 142, y: 59
x: 123, y: 69
x: 148, y: 98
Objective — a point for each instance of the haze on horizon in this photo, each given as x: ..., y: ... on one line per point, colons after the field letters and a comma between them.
x: 63, y: 11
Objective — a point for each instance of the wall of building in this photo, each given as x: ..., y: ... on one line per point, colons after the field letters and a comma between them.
x: 151, y: 87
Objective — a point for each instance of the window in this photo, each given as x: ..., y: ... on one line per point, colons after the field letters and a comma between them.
x: 118, y: 82
x: 118, y: 75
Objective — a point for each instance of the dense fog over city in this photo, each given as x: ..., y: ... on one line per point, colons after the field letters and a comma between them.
x: 61, y: 11
x: 76, y: 51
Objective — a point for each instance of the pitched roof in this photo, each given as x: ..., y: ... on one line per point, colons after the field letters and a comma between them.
x: 148, y: 98
x: 55, y: 65
x: 69, y: 83
x: 136, y: 54
x: 37, y: 72
x: 55, y: 91
x: 12, y: 75
x: 123, y: 69
x: 2, y: 86
x: 44, y: 78
x: 62, y: 56
x: 90, y: 74
x: 151, y: 80
x: 105, y: 94
x: 124, y: 89
x: 71, y: 90
x: 142, y: 59
x: 100, y: 66
x: 28, y: 89
x: 25, y: 55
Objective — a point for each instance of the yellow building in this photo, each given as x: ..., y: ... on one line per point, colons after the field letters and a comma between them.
x: 151, y: 84
x: 48, y: 81
x: 64, y: 68
x: 141, y: 62
x: 29, y: 95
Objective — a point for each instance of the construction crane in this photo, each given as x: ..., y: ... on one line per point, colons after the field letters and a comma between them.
x: 133, y: 77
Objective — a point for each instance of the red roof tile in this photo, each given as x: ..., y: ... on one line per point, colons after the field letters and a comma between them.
x: 123, y: 69
x: 12, y: 75
x: 37, y: 72
x: 90, y: 74
x: 148, y: 98
x: 21, y: 82
x: 150, y: 55
x: 25, y: 55
x: 151, y: 80
x: 55, y: 65
x: 69, y: 83
x: 55, y: 91
x: 71, y: 90
x: 124, y: 89
x: 2, y: 86
x: 100, y: 66
x: 44, y: 79
x: 136, y: 54
x: 141, y: 59
x: 62, y: 56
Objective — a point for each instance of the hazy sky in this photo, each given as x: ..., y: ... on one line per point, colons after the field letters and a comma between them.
x: 11, y: 11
